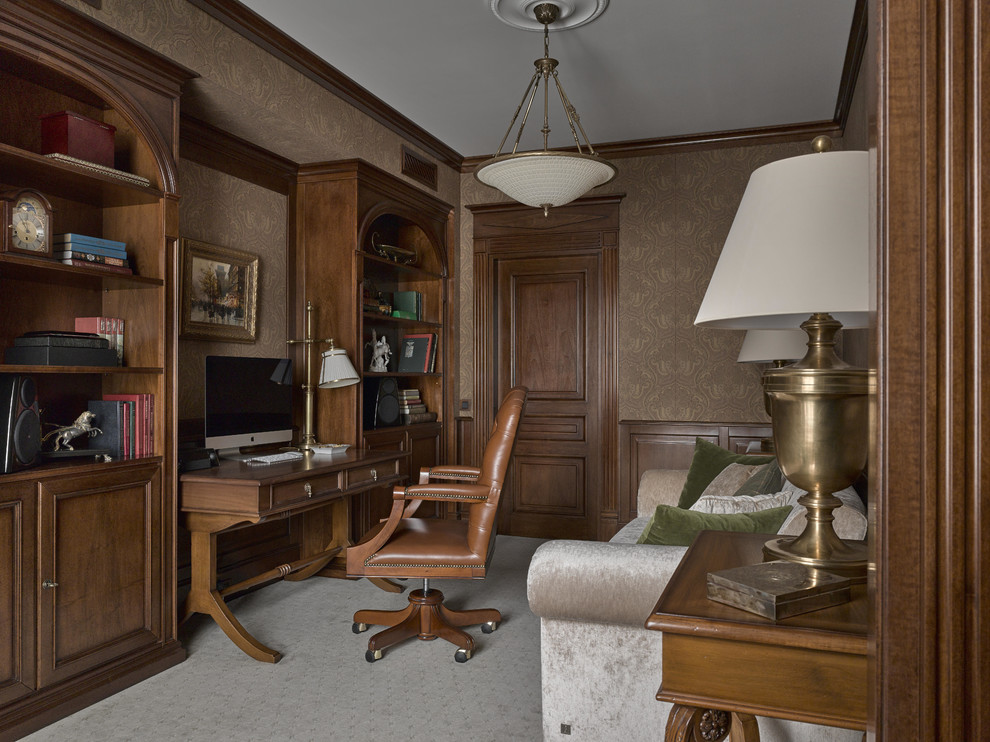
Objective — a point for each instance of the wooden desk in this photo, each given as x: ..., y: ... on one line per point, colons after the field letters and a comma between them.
x: 721, y: 664
x: 236, y: 495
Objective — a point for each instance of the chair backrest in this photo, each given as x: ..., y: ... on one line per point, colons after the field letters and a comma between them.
x: 495, y: 463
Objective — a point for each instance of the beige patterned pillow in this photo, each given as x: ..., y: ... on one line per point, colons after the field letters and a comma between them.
x: 741, y: 503
x: 730, y: 479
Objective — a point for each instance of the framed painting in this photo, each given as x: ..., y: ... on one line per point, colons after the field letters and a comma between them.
x: 219, y: 293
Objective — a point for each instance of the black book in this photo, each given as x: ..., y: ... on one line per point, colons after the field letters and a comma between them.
x: 109, y: 418
x: 62, y: 340
x: 415, y: 352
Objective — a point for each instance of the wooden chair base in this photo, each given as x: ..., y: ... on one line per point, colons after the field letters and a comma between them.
x: 427, y: 618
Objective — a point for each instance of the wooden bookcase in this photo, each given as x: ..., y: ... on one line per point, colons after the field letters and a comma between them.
x: 342, y: 210
x: 87, y: 578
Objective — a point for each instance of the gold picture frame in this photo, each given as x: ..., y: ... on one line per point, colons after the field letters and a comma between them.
x: 218, y: 293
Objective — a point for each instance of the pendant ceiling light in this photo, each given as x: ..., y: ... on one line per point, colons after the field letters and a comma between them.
x: 545, y: 178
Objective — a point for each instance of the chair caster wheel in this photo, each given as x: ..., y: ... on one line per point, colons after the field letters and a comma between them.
x: 462, y: 655
x: 373, y: 655
x: 487, y: 628
x: 359, y: 628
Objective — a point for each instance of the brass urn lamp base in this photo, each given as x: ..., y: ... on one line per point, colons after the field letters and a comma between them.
x: 820, y: 408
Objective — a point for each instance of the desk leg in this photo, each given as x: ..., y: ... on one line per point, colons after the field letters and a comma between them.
x: 204, y: 598
x: 691, y: 724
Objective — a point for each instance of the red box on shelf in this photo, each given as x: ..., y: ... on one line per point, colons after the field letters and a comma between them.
x: 72, y: 134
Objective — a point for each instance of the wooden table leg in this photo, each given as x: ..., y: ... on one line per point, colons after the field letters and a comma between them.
x: 692, y: 724
x: 204, y: 598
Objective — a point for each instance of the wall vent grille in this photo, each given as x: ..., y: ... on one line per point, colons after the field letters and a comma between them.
x: 420, y: 170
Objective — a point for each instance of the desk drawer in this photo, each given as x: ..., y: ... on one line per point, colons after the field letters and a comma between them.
x: 305, y: 489
x: 367, y: 476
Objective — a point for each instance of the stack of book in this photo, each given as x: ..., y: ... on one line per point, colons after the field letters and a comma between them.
x: 61, y: 349
x: 111, y: 328
x: 92, y: 252
x: 126, y: 423
x: 412, y: 409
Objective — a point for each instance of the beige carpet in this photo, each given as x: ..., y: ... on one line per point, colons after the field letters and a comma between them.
x: 323, y: 689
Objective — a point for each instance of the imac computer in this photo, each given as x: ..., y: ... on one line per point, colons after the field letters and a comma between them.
x: 248, y: 403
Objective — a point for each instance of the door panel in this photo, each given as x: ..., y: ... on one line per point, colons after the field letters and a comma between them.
x: 99, y: 544
x: 547, y: 339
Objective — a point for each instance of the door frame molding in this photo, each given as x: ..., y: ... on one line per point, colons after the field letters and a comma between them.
x: 499, y: 228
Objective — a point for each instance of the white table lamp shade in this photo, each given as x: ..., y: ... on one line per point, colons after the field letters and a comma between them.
x: 336, y: 369
x: 767, y: 346
x: 798, y: 245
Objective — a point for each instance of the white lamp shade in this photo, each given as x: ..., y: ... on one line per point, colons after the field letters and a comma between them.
x: 767, y: 346
x: 543, y: 178
x: 798, y: 245
x: 337, y: 370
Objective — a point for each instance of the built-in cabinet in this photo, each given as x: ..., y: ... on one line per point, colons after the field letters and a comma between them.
x: 356, y: 225
x: 87, y: 603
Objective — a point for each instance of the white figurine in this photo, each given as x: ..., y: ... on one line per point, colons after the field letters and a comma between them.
x: 380, y: 353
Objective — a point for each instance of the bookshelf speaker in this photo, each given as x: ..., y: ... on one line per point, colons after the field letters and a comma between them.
x: 20, y: 426
x: 381, y: 402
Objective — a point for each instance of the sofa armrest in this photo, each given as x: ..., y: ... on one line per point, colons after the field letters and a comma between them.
x: 659, y: 487
x: 601, y: 582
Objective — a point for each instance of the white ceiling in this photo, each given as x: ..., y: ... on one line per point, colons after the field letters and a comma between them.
x: 645, y: 69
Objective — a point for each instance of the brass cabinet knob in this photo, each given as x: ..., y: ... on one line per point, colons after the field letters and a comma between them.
x: 48, y: 584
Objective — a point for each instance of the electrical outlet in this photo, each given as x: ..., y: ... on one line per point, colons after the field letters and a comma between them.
x: 565, y: 728
x: 465, y: 404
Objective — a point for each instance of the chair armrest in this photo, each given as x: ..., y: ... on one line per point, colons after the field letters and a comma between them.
x: 601, y: 582
x: 443, y: 492
x: 449, y: 472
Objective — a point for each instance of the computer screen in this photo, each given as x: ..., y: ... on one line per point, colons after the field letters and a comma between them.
x: 248, y: 401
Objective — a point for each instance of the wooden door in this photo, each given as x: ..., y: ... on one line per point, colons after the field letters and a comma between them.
x: 547, y: 339
x: 100, y: 543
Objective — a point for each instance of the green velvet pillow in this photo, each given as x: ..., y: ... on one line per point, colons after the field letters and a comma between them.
x: 765, y: 480
x: 708, y: 462
x: 677, y: 527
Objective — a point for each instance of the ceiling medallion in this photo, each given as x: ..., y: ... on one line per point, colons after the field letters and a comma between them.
x: 571, y: 13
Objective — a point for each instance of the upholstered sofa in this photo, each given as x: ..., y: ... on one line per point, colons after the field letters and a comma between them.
x: 601, y: 667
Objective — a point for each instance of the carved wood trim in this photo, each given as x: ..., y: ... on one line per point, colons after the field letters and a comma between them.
x: 932, y: 459
x: 219, y: 150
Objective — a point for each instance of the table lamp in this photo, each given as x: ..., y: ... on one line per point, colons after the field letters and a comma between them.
x: 336, y: 370
x: 797, y: 252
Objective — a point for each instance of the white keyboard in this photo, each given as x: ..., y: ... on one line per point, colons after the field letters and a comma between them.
x: 274, y: 458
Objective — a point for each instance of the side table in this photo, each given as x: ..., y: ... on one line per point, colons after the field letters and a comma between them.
x: 723, y: 665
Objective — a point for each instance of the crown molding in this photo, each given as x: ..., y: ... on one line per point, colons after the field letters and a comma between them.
x: 256, y: 29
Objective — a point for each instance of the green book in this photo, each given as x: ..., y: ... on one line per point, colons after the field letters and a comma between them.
x: 410, y: 303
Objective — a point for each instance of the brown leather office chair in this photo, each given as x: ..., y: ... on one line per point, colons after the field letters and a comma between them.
x: 404, y: 546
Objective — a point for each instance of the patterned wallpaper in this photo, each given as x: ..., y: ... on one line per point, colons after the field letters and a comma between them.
x: 674, y: 219
x: 676, y: 214
x: 225, y: 211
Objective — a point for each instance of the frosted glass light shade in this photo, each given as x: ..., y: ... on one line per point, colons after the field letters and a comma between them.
x: 336, y: 369
x: 543, y: 178
x: 767, y: 346
x: 799, y: 244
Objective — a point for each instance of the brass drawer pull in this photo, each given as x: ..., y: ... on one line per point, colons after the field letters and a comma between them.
x: 48, y: 584
x: 309, y: 489
x: 374, y: 474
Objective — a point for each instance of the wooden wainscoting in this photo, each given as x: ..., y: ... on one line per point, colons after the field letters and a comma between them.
x: 646, y: 444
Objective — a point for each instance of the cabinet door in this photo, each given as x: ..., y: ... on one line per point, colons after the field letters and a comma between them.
x: 16, y: 594
x: 374, y: 505
x: 100, y: 541
x: 424, y: 452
